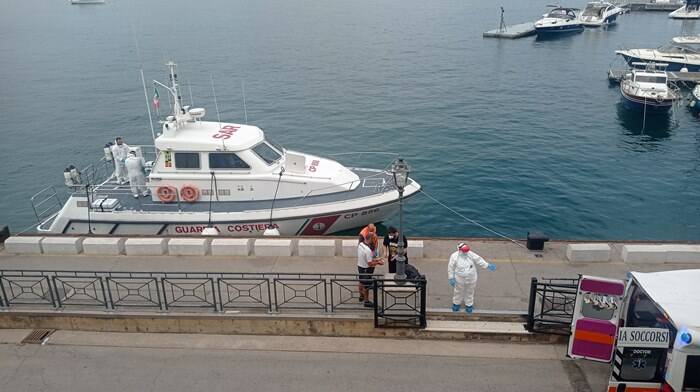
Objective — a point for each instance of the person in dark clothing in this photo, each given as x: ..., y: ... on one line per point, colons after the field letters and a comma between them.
x: 391, y: 245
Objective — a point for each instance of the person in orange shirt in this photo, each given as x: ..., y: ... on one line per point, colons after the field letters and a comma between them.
x: 370, y: 232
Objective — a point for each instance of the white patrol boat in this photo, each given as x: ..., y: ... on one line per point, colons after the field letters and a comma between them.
x: 222, y: 177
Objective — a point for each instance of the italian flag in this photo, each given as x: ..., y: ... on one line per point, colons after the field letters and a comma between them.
x: 156, y: 98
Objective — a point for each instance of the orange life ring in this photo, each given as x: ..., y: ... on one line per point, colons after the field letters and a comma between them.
x: 189, y: 193
x: 166, y: 193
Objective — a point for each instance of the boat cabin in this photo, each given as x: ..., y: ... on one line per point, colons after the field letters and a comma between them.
x: 238, y: 161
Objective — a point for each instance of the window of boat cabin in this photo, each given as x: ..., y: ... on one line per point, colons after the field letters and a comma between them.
x: 650, y: 79
x: 187, y: 160
x: 266, y: 153
x: 226, y: 160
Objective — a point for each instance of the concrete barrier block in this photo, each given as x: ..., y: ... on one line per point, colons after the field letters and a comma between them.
x: 146, y: 246
x: 682, y: 253
x: 188, y: 246
x: 273, y: 247
x: 230, y: 246
x: 107, y: 246
x: 588, y: 253
x: 644, y: 253
x: 415, y: 249
x: 62, y: 245
x: 29, y: 245
x: 316, y: 248
x: 349, y: 248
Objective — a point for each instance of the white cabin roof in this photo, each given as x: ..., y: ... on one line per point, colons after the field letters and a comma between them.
x: 676, y: 292
x: 209, y: 136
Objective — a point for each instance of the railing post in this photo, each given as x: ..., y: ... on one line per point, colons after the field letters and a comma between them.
x: 375, y: 296
x: 424, y: 289
x: 4, y: 301
x: 531, y: 305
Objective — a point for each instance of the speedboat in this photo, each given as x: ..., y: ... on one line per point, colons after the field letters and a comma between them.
x: 600, y: 13
x: 559, y: 20
x: 680, y: 53
x: 224, y: 177
x: 648, y: 90
x: 691, y: 10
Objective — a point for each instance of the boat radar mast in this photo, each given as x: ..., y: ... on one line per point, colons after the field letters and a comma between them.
x: 180, y: 114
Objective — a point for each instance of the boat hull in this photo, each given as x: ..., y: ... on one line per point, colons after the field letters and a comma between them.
x: 648, y: 106
x: 608, y: 20
x: 673, y: 66
x: 315, y: 220
x: 556, y: 30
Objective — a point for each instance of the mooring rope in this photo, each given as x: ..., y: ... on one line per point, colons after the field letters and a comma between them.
x: 470, y: 220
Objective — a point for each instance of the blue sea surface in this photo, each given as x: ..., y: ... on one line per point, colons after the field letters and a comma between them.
x: 515, y: 134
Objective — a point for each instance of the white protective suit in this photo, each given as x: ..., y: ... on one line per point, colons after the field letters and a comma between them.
x: 136, y: 172
x: 120, y: 153
x: 462, y: 268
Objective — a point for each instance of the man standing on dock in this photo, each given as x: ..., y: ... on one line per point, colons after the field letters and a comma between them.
x: 461, y: 274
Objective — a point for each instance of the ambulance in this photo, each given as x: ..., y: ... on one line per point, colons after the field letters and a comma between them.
x: 647, y: 327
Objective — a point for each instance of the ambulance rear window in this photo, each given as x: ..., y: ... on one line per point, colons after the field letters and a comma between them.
x: 691, y: 381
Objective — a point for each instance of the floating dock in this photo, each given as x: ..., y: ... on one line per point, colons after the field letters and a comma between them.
x: 512, y: 32
x: 649, y: 6
x: 615, y: 75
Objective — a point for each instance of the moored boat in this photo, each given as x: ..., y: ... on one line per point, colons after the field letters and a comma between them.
x: 648, y: 90
x: 690, y: 10
x: 681, y: 53
x: 600, y: 13
x: 226, y: 177
x: 558, y: 21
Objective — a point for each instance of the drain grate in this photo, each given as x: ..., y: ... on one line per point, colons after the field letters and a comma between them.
x: 37, y: 336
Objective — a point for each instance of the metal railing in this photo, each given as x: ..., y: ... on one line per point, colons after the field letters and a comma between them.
x: 187, y: 291
x: 551, y: 305
x: 400, y: 305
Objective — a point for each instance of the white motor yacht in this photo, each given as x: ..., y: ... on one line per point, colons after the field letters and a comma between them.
x: 691, y: 10
x: 558, y: 21
x: 600, y: 13
x: 224, y: 177
x: 681, y: 53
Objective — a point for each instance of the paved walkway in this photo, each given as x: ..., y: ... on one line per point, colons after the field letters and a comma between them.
x: 505, y: 289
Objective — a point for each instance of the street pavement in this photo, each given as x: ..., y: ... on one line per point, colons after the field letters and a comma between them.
x: 505, y: 289
x: 88, y: 361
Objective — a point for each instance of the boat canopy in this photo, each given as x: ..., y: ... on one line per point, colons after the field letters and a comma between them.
x: 562, y: 13
x: 678, y: 48
x: 677, y: 293
x: 210, y: 136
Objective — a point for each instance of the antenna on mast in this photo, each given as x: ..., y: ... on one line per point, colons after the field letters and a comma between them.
x: 148, y: 107
x: 245, y: 110
x: 216, y: 105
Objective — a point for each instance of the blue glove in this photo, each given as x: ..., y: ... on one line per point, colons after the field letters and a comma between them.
x: 452, y: 282
x: 491, y: 267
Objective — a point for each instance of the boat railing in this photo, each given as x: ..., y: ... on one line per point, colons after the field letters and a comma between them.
x: 46, y: 203
x: 103, y: 169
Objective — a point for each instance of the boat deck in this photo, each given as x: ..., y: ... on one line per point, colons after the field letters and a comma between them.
x: 615, y: 75
x: 372, y: 182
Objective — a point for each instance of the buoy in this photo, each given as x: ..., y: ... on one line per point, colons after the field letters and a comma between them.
x: 189, y: 193
x: 166, y: 194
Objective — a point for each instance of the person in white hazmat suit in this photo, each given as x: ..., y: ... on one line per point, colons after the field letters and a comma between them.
x: 461, y: 274
x: 120, y: 151
x: 135, y: 168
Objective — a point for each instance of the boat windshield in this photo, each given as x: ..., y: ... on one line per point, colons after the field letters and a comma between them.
x: 267, y: 153
x: 561, y: 13
x: 650, y: 79
x: 682, y: 49
x: 594, y: 10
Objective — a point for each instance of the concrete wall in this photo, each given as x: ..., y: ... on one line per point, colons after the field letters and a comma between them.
x: 245, y: 324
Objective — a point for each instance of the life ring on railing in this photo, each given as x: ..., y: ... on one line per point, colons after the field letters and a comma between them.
x: 166, y: 193
x: 189, y: 193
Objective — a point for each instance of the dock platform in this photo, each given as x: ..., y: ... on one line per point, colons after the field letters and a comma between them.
x: 512, y: 32
x: 615, y: 75
x: 649, y: 6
